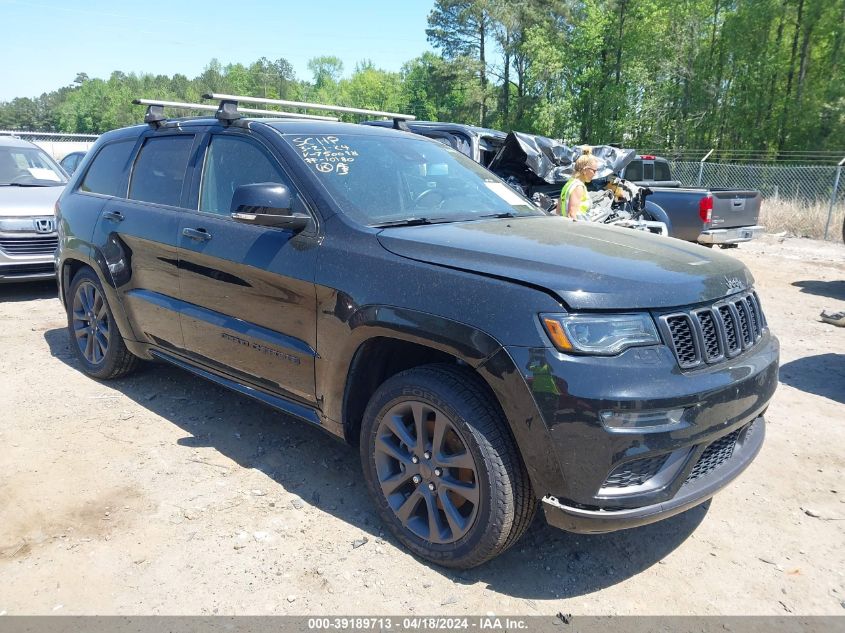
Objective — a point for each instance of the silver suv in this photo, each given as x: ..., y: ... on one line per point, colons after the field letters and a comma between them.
x: 30, y: 184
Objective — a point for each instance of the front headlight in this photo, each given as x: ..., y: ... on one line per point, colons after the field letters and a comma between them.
x: 605, y: 334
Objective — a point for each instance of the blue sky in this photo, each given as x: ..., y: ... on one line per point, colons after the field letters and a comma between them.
x: 45, y: 43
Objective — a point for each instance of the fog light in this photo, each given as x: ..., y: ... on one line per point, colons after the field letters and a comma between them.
x: 643, y: 421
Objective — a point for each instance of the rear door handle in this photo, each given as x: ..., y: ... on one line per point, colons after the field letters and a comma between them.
x: 114, y: 216
x: 200, y: 235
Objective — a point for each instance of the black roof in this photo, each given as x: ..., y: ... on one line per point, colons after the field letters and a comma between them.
x: 283, y: 125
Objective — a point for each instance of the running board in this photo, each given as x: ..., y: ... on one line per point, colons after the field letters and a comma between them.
x: 301, y: 411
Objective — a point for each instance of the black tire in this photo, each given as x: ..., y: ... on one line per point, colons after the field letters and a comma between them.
x: 94, y: 336
x: 454, y: 397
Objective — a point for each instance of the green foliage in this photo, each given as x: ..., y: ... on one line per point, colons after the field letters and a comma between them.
x: 455, y: 27
x: 326, y: 70
x: 440, y: 90
x: 738, y: 74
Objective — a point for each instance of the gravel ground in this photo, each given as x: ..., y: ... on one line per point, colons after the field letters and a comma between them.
x: 164, y: 494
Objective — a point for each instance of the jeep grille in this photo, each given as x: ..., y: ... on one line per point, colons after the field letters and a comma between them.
x: 712, y: 334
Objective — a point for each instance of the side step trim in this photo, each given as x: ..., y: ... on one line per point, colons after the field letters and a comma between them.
x: 301, y: 411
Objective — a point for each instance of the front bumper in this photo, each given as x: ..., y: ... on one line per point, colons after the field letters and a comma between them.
x: 18, y: 273
x: 731, y: 236
x: 605, y: 478
x: 691, y: 494
x: 26, y: 256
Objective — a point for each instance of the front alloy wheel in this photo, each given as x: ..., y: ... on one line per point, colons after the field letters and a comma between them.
x: 442, y: 466
x: 426, y: 472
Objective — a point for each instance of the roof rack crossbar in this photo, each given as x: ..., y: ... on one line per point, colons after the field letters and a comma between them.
x: 159, y: 105
x: 287, y: 115
x: 312, y: 106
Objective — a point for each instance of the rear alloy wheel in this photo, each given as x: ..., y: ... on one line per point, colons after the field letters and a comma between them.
x: 440, y: 461
x: 91, y: 323
x: 94, y: 336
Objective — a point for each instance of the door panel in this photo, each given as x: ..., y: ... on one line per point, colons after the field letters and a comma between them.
x: 138, y: 236
x: 249, y: 289
x: 139, y: 244
x: 251, y: 303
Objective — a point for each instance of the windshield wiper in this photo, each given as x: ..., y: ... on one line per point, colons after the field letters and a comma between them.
x: 411, y: 222
x: 506, y: 214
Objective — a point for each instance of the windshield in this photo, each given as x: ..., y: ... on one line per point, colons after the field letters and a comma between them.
x: 382, y: 180
x: 28, y: 167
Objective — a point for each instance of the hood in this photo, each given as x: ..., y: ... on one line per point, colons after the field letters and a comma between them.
x: 26, y: 201
x: 539, y: 159
x: 588, y: 266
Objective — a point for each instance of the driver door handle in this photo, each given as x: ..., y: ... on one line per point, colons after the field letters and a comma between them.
x: 114, y: 216
x: 200, y: 235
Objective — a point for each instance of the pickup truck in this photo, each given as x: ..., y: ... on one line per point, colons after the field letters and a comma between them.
x: 707, y: 216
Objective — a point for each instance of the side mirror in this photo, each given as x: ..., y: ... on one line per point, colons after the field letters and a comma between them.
x: 266, y: 204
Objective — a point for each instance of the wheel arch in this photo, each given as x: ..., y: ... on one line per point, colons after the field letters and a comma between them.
x: 658, y: 213
x: 375, y: 361
x: 72, y: 262
x: 70, y: 267
x: 381, y: 342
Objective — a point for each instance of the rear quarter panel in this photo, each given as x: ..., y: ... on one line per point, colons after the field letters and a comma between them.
x: 681, y: 206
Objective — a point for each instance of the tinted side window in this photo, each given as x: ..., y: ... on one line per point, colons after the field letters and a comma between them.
x: 231, y: 162
x: 661, y: 170
x: 160, y: 170
x: 634, y: 170
x: 105, y: 175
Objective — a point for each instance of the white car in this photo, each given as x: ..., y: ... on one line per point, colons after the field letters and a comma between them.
x: 30, y: 184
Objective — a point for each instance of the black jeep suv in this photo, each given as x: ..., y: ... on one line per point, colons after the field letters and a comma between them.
x: 485, y: 357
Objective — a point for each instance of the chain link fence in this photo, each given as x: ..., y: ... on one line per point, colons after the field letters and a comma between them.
x: 796, y: 198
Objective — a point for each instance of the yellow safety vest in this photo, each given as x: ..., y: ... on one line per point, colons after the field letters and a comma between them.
x: 584, y: 208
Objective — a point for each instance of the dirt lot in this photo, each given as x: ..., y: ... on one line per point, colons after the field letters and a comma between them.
x: 163, y: 494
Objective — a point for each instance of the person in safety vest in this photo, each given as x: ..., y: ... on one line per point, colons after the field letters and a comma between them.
x: 574, y: 202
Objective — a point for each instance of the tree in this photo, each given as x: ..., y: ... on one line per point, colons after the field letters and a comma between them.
x: 326, y: 71
x: 460, y: 29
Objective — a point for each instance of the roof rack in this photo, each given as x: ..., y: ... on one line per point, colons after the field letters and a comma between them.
x: 396, y: 116
x: 228, y: 110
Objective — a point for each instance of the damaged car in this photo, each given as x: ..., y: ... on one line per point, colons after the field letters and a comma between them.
x: 486, y: 359
x: 540, y: 166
